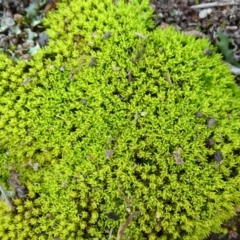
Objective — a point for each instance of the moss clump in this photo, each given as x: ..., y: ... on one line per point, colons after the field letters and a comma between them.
x: 117, y: 118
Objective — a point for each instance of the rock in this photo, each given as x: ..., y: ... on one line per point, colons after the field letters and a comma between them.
x: 17, y: 17
x: 43, y: 39
x: 209, y: 11
x: 218, y: 156
x: 203, y: 13
x: 211, y: 122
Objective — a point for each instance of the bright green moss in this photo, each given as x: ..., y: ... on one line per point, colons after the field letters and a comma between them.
x: 102, y: 118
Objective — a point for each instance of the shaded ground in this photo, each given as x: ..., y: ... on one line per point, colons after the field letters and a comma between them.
x: 205, y: 21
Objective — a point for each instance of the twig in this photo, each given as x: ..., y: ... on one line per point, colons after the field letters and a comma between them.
x: 125, y: 224
x: 195, y: 33
x: 216, y: 4
x: 234, y: 70
x: 110, y: 234
x: 169, y: 78
x: 61, y: 117
x: 6, y: 198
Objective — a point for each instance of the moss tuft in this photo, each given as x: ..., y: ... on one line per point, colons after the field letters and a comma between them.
x: 114, y: 117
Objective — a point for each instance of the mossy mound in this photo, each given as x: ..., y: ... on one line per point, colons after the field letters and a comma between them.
x: 118, y: 118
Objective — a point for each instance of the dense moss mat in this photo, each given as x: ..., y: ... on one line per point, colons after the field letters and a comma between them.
x: 115, y: 117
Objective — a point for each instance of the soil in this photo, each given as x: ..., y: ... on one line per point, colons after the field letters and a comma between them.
x: 201, y: 19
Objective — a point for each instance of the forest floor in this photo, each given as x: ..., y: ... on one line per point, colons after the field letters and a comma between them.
x: 205, y: 18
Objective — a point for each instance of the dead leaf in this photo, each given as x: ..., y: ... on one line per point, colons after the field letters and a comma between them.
x: 92, y: 62
x: 135, y: 117
x: 27, y: 80
x: 51, y: 4
x: 109, y: 153
x: 125, y: 224
x: 168, y: 78
x: 20, y: 189
x: 71, y: 74
x: 178, y: 158
x: 22, y: 192
x: 35, y: 167
x: 141, y: 35
x: 13, y: 180
x: 232, y: 234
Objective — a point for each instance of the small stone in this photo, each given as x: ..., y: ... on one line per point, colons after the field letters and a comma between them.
x: 203, y: 14
x: 112, y: 215
x: 210, y: 142
x: 3, y: 41
x: 209, y: 11
x: 199, y: 115
x: 14, y: 41
x: 211, y: 122
x: 25, y: 57
x: 237, y: 41
x: 218, y: 156
x: 236, y: 34
x: 17, y: 17
x: 43, y: 39
x: 26, y: 45
x: 8, y: 14
x: 106, y: 35
x: 207, y: 52
x: 163, y: 25
x: 18, y: 52
x: 8, y: 22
